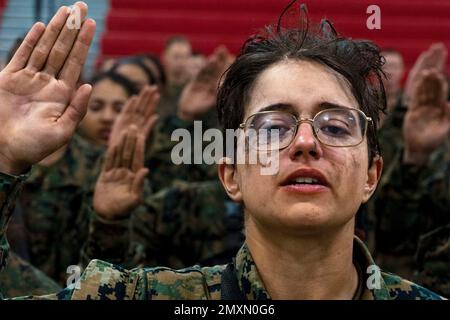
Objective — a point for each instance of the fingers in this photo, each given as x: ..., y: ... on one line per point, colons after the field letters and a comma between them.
x: 152, y: 103
x: 74, y: 63
x: 431, y: 90
x: 77, y: 108
x: 46, y: 42
x: 130, y: 106
x: 143, y: 100
x: 111, y: 154
x: 139, y: 153
x: 147, y: 101
x: 129, y: 148
x: 66, y: 38
x: 22, y: 55
x: 150, y: 124
x: 138, y: 183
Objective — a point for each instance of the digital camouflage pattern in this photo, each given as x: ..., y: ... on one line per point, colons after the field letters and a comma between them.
x: 10, y: 187
x: 20, y: 278
x: 103, y: 280
x: 190, y: 223
x: 54, y: 213
x: 412, y: 212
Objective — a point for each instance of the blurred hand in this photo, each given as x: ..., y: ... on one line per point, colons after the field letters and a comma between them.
x: 433, y: 58
x: 121, y: 183
x: 139, y: 111
x: 199, y: 95
x: 40, y: 104
x: 427, y: 121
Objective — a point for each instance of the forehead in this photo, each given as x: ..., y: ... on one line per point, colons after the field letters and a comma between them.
x: 108, y: 90
x: 302, y: 84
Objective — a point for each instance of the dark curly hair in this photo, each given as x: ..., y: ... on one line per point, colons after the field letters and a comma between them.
x: 358, y: 61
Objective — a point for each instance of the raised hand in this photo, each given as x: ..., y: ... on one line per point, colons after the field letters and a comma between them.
x: 40, y: 103
x: 120, y: 185
x: 200, y: 94
x: 433, y: 58
x: 139, y: 111
x: 427, y: 121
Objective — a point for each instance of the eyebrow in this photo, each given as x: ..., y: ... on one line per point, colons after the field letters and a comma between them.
x: 290, y: 108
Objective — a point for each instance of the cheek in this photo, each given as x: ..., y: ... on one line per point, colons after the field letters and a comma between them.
x: 254, y: 186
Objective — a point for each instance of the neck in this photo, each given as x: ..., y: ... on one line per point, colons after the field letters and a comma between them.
x: 309, y: 267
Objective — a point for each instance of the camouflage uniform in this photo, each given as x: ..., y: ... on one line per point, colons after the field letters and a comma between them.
x: 53, y: 209
x: 20, y: 278
x: 413, y: 211
x: 103, y: 280
x: 237, y: 280
x: 190, y: 223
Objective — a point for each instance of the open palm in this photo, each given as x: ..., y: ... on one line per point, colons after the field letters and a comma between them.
x: 120, y: 185
x: 41, y: 105
x: 427, y: 122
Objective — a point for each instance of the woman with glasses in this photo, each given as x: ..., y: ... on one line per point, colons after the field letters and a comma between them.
x: 318, y: 98
x: 313, y: 101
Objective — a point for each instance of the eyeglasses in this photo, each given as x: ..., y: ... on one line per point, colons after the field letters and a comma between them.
x: 336, y: 127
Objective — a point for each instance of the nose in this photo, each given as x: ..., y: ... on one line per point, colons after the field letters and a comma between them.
x: 108, y: 114
x: 305, y: 143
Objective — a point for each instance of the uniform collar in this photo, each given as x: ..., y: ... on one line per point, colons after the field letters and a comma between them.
x: 251, y: 285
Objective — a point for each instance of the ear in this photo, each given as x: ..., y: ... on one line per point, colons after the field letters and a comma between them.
x: 373, y: 176
x: 228, y: 176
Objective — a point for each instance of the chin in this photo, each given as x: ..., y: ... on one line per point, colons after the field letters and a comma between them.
x: 307, y: 216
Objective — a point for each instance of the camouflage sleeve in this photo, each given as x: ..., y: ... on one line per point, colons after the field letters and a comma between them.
x: 190, y: 223
x: 107, y: 240
x: 20, y: 278
x: 187, y: 224
x: 10, y: 187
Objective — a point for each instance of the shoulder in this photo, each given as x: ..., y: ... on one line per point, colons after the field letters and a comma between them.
x: 103, y: 280
x: 401, y: 289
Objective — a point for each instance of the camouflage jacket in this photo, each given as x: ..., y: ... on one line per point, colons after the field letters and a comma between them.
x: 20, y: 278
x: 53, y: 209
x: 102, y: 280
x: 10, y: 187
x: 190, y: 223
x: 412, y: 210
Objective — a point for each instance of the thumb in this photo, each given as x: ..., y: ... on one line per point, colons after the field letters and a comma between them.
x: 77, y: 109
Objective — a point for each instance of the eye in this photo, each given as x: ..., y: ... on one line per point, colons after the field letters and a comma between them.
x: 95, y: 106
x: 335, y: 129
x: 118, y: 105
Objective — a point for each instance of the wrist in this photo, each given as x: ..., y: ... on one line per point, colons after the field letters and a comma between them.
x: 13, y: 168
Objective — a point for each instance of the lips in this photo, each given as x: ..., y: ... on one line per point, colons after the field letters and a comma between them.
x: 307, y: 181
x: 104, y: 133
